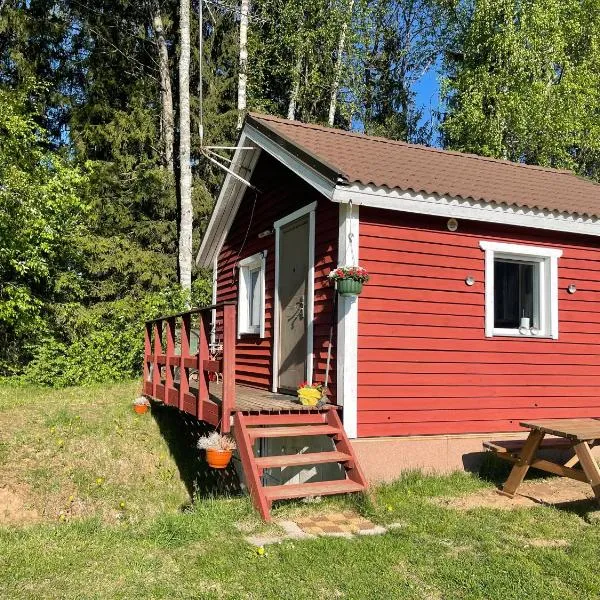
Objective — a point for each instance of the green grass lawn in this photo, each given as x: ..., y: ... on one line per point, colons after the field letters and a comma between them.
x: 97, y: 505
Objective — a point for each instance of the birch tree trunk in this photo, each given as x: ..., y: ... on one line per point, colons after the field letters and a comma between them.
x: 338, y: 66
x: 167, y: 119
x: 185, y: 167
x: 295, y: 88
x: 243, y: 77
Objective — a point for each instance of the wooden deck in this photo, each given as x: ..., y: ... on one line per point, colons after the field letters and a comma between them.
x: 255, y: 400
x: 179, y: 377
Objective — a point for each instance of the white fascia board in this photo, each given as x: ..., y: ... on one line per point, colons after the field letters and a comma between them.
x: 461, y: 208
x: 321, y: 183
x: 227, y: 203
x: 233, y: 190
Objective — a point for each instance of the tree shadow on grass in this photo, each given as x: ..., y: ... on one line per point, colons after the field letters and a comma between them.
x: 181, y: 431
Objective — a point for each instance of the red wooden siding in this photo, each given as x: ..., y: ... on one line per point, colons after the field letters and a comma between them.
x: 282, y: 192
x: 425, y: 365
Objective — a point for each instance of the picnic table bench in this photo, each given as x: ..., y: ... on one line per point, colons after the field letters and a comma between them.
x: 578, y: 434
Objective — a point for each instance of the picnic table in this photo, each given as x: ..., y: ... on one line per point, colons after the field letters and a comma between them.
x: 579, y: 434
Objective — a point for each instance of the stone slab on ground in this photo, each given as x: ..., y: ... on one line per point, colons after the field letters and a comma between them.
x: 345, y: 524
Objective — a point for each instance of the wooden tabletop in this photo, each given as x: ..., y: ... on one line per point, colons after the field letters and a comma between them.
x: 572, y: 429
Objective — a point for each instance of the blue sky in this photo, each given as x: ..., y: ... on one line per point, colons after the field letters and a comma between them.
x: 428, y: 94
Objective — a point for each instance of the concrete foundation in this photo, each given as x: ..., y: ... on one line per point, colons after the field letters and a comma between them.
x: 385, y: 458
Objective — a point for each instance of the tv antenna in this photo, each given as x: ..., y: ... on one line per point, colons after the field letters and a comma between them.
x: 211, y: 152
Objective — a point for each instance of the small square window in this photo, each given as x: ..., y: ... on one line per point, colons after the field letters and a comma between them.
x: 254, y: 298
x: 251, y: 300
x: 516, y: 294
x: 521, y: 290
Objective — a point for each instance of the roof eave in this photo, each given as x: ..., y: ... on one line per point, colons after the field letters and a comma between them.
x: 409, y: 201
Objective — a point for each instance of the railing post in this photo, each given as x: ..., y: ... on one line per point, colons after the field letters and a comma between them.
x: 203, y: 354
x: 147, y: 355
x: 156, y: 378
x: 184, y: 382
x: 170, y: 353
x: 229, y: 339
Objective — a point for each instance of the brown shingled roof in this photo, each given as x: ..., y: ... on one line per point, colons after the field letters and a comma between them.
x: 368, y: 160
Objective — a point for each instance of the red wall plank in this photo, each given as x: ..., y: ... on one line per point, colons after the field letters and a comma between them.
x: 425, y: 365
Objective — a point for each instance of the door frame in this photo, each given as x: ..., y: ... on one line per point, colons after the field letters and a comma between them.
x: 309, y: 210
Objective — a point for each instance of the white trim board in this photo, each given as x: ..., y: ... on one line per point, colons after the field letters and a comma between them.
x: 310, y: 292
x: 347, y: 331
x: 461, y: 208
x: 547, y: 284
x: 213, y: 318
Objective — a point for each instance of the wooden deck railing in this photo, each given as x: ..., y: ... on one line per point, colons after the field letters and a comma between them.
x: 171, y: 362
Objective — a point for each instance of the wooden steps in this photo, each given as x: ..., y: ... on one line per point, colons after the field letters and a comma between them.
x: 320, y: 422
x: 319, y: 488
x: 295, y: 460
x: 274, y: 432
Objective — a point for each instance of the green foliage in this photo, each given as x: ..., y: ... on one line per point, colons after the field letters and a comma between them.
x: 41, y: 217
x: 395, y: 43
x: 524, y: 83
x: 294, y: 42
x: 103, y: 343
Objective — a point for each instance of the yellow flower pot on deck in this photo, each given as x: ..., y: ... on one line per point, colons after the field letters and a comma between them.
x: 309, y: 396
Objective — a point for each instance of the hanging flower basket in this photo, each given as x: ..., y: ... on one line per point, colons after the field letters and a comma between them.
x: 141, y: 405
x: 219, y: 449
x: 349, y: 287
x: 349, y: 279
x: 218, y: 459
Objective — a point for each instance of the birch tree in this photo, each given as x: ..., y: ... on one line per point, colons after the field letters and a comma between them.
x: 335, y: 88
x: 167, y: 120
x: 293, y: 56
x: 185, y: 167
x: 295, y: 86
x: 523, y: 81
x: 243, y: 77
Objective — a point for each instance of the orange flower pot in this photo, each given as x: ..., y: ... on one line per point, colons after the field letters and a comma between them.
x: 140, y: 409
x: 218, y: 459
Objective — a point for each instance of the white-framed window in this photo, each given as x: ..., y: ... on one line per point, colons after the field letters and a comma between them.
x: 251, y: 301
x: 521, y: 290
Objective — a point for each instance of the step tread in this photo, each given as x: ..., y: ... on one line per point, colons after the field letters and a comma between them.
x: 303, y: 418
x: 308, y: 458
x: 292, y: 431
x: 319, y: 488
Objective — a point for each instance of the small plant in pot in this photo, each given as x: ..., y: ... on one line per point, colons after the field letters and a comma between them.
x: 349, y: 280
x: 219, y: 449
x: 310, y: 394
x: 141, y: 405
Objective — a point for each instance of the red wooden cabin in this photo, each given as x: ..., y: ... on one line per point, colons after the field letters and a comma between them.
x: 483, y: 304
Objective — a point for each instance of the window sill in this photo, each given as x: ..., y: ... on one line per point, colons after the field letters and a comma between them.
x: 516, y: 334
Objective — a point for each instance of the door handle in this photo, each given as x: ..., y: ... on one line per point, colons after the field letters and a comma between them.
x: 300, y: 305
